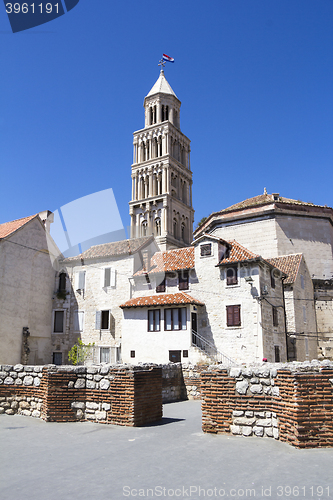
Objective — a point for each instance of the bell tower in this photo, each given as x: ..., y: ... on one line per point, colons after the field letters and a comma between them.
x: 161, y: 201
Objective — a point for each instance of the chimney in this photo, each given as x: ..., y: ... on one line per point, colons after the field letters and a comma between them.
x: 47, y: 217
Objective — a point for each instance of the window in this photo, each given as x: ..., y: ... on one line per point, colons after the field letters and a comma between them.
x: 175, y: 356
x: 277, y: 353
x: 275, y: 316
x: 233, y: 315
x: 185, y: 354
x: 183, y: 231
x: 158, y: 227
x: 232, y: 275
x: 62, y: 282
x: 109, y: 277
x: 102, y: 320
x: 302, y: 281
x: 144, y: 226
x: 183, y: 280
x: 78, y: 321
x: 104, y: 354
x: 80, y: 278
x: 272, y: 279
x: 132, y: 354
x: 161, y: 286
x: 175, y: 319
x: 154, y: 320
x: 205, y: 249
x: 175, y: 230
x: 58, y: 326
x: 57, y: 358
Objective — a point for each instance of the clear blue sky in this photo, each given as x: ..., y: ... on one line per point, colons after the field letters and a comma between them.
x: 255, y: 78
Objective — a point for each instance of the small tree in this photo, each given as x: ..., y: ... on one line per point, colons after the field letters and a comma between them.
x: 201, y: 221
x: 79, y: 352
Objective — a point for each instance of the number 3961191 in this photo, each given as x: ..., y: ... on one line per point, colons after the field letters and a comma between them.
x: 32, y: 8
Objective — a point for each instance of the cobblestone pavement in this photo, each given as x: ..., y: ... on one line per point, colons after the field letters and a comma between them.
x: 172, y: 459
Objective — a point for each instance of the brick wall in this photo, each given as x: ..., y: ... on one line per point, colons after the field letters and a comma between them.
x: 119, y: 394
x: 291, y: 402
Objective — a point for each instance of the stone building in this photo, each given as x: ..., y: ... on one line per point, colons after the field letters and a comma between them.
x: 208, y: 301
x: 26, y: 285
x: 274, y: 226
x: 87, y: 292
x: 161, y: 202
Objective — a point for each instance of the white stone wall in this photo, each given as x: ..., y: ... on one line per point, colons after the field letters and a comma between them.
x: 95, y: 297
x: 26, y: 287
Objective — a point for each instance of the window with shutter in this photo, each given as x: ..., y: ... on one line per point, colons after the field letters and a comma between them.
x: 113, y: 277
x: 105, y: 320
x: 161, y: 286
x: 232, y: 275
x: 62, y: 282
x: 233, y: 315
x: 98, y: 320
x: 78, y: 321
x: 80, y: 280
x: 183, y: 280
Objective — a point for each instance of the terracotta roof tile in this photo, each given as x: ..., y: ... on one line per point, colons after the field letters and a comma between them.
x: 8, y: 228
x: 238, y: 253
x: 124, y: 247
x: 172, y: 260
x: 168, y: 299
x: 288, y: 264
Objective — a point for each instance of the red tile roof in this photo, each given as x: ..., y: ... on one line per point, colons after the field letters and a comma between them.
x: 238, y: 253
x: 167, y: 299
x: 8, y: 228
x: 172, y: 260
x: 124, y: 247
x: 288, y: 264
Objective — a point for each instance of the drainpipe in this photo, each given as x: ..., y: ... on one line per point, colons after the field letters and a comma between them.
x: 285, y: 318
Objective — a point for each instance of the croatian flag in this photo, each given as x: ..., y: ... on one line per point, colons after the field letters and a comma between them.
x: 168, y: 58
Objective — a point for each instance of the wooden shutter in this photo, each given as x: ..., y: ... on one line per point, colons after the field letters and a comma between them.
x: 233, y: 315
x: 237, y: 318
x: 113, y: 276
x: 107, y: 276
x: 82, y: 276
x: 98, y: 320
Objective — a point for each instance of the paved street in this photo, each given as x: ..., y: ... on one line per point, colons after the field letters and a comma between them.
x: 172, y: 459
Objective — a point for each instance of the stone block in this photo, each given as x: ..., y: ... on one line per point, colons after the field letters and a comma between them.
x: 18, y: 368
x: 7, y: 368
x: 104, y: 384
x: 92, y: 370
x: 275, y: 391
x: 104, y: 370
x: 27, y: 413
x: 258, y: 431
x: 92, y: 406
x: 255, y: 380
x: 24, y: 405
x: 3, y: 375
x: 269, y: 432
x: 79, y: 414
x: 268, y: 414
x: 35, y: 414
x: 28, y: 380
x: 275, y: 433
x: 38, y: 369
x: 91, y: 384
x: 106, y: 406
x: 5, y: 405
x: 247, y: 372
x: 2, y: 410
x: 244, y: 421
x: 70, y: 384
x: 241, y: 387
x: 235, y: 372
x: 10, y: 412
x: 235, y: 429
x: 18, y: 381
x: 37, y: 382
x: 267, y: 390
x: 275, y: 422
x: 256, y: 389
x: 78, y: 405
x: 8, y: 381
x: 247, y: 431
x: 265, y: 422
x: 98, y: 377
x: 273, y: 372
x: 80, y: 383
x: 89, y: 376
x: 13, y: 375
x: 260, y: 414
x: 237, y: 413
x: 90, y: 416
x: 249, y: 413
x: 100, y: 415
x: 265, y: 381
x: 14, y: 405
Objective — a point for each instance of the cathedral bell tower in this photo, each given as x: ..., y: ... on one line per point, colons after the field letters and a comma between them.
x: 161, y: 175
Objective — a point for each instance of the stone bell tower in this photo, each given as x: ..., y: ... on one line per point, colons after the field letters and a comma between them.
x: 161, y: 175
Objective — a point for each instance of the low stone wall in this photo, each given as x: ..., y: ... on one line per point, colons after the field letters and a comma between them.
x: 114, y: 394
x: 181, y: 382
x: 292, y: 402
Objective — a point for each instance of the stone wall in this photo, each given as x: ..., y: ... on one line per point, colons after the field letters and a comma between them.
x: 181, y: 382
x: 292, y: 402
x: 113, y: 394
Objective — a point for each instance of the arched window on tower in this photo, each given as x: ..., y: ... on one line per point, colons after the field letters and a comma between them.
x: 154, y: 114
x: 175, y: 229
x: 62, y: 282
x: 144, y: 227
x: 150, y: 115
x: 163, y: 113
x: 158, y: 227
x: 166, y: 112
x: 159, y: 142
x: 183, y: 228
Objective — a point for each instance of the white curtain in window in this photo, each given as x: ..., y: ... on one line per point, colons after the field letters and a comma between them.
x: 175, y: 319
x: 183, y: 312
